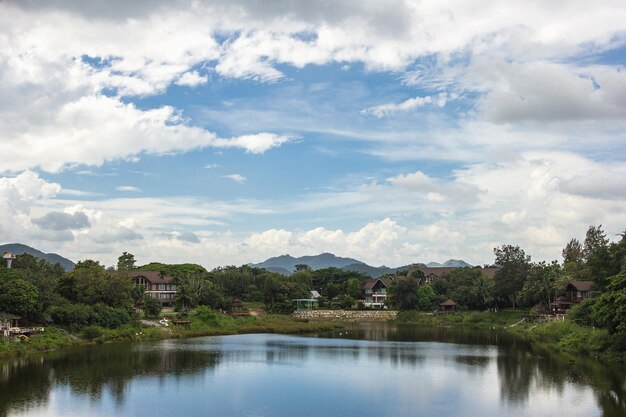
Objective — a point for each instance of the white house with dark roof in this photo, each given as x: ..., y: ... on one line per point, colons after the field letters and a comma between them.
x: 156, y: 285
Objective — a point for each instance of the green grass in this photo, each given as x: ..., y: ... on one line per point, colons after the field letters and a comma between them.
x: 210, y: 324
x: 475, y: 319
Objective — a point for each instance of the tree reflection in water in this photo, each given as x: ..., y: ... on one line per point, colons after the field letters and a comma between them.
x: 99, y: 372
x: 25, y: 383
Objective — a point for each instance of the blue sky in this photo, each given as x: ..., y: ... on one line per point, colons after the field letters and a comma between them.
x: 393, y: 132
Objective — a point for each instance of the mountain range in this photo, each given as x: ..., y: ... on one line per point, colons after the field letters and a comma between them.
x: 18, y: 249
x: 286, y: 264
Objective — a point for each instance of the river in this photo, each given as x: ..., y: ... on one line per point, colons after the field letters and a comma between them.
x: 369, y: 369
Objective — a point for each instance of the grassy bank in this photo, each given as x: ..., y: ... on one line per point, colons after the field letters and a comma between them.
x: 557, y: 336
x: 208, y: 324
x: 476, y: 319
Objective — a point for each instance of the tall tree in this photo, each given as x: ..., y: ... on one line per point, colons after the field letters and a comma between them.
x: 513, y: 264
x: 403, y: 294
x: 573, y: 252
x: 545, y: 281
x: 126, y: 262
x: 595, y: 239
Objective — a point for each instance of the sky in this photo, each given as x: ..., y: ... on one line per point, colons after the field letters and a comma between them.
x: 393, y: 132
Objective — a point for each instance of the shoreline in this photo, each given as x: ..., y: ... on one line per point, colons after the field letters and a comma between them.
x: 561, y: 337
x: 57, y: 338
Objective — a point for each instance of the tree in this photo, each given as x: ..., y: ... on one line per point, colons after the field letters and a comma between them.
x: 609, y: 310
x: 513, y: 265
x: 19, y: 297
x: 89, y: 283
x: 573, y: 252
x: 303, y: 268
x: 545, y: 281
x: 354, y: 288
x: 126, y: 262
x: 426, y: 298
x: 188, y: 291
x: 595, y: 239
x: 403, y: 294
x: 468, y: 287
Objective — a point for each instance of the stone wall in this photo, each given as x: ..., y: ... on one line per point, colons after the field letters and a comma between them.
x: 346, y: 314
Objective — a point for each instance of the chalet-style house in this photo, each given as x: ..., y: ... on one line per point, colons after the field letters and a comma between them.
x: 432, y: 274
x: 575, y: 292
x: 156, y: 285
x: 375, y: 291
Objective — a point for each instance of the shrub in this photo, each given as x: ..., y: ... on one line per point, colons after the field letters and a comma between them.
x: 206, y: 315
x: 92, y: 332
x: 582, y: 313
x: 80, y: 315
x: 152, y: 307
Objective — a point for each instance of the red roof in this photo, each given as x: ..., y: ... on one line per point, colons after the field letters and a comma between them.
x: 154, y: 277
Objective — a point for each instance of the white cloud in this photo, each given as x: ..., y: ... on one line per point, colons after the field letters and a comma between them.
x: 257, y: 143
x: 191, y: 79
x: 409, y: 104
x: 128, y: 188
x: 236, y: 177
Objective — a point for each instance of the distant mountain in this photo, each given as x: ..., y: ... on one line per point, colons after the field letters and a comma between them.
x: 450, y: 263
x: 288, y: 263
x: 18, y: 249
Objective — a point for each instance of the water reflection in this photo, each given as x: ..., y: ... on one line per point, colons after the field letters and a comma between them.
x: 414, y: 372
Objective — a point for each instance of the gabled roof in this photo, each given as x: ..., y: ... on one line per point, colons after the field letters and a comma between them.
x: 154, y: 277
x: 581, y: 285
x: 370, y: 283
x: 440, y: 272
x: 448, y: 302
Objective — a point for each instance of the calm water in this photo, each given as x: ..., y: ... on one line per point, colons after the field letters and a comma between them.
x: 373, y: 370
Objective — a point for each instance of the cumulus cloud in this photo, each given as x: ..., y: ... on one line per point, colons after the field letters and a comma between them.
x: 56, y: 220
x: 191, y: 79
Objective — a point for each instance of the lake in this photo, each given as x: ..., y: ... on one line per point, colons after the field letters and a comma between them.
x: 370, y: 369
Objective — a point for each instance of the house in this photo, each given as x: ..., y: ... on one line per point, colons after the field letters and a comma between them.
x: 448, y: 306
x: 156, y: 285
x: 7, y: 323
x: 431, y: 274
x: 375, y: 291
x: 314, y: 294
x: 576, y: 291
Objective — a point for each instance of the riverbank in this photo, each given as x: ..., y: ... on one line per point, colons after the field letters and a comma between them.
x: 209, y: 324
x: 563, y: 337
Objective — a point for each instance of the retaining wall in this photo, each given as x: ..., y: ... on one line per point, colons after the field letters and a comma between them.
x: 346, y: 314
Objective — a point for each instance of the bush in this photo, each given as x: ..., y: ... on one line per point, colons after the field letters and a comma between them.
x: 206, y: 315
x: 92, y: 332
x: 152, y: 307
x: 581, y: 313
x: 80, y: 315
